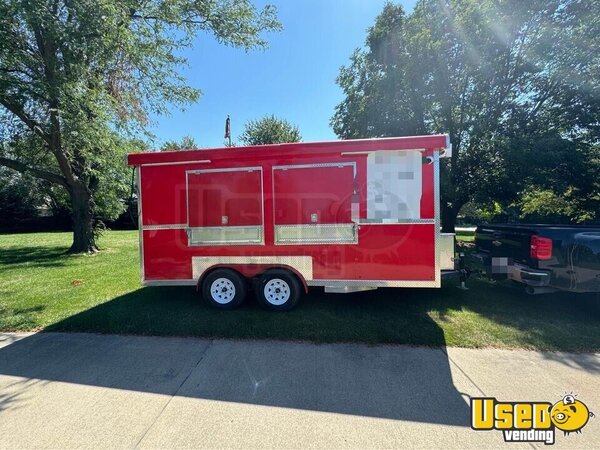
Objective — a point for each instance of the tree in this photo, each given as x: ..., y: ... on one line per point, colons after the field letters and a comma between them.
x: 77, y: 75
x: 186, y: 143
x: 493, y: 75
x: 270, y: 130
x: 111, y: 193
x: 552, y: 179
x: 20, y: 196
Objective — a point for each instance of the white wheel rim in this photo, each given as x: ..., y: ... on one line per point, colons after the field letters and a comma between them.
x: 222, y: 291
x: 277, y: 291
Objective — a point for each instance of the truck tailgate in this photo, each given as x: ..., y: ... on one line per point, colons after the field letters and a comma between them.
x: 505, y: 241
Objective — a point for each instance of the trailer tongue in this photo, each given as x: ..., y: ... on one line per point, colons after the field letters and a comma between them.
x: 346, y: 215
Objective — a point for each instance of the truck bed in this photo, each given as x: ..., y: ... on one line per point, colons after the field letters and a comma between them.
x: 574, y: 263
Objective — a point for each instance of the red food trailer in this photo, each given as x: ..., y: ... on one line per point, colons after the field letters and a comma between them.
x: 346, y: 215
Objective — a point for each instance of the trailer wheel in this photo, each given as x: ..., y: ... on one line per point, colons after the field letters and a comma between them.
x: 278, y: 290
x: 224, y: 288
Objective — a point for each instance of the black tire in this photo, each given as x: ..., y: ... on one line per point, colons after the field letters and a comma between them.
x: 224, y: 289
x: 278, y: 290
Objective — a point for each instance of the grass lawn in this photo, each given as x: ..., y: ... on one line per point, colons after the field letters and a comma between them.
x: 466, y: 235
x: 43, y: 288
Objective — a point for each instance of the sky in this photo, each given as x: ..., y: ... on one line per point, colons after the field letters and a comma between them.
x: 294, y: 78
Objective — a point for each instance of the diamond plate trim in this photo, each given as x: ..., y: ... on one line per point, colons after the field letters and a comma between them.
x: 343, y: 233
x: 170, y: 226
x: 242, y: 235
x: 374, y: 283
x: 447, y: 251
x: 438, y: 225
x: 303, y: 264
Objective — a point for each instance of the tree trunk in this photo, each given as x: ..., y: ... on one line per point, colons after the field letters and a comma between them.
x: 84, y: 239
x: 448, y: 219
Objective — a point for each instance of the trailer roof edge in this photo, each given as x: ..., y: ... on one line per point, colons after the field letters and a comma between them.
x: 428, y: 142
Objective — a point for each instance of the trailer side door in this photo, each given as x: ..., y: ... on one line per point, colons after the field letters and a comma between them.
x: 315, y: 203
x: 225, y: 206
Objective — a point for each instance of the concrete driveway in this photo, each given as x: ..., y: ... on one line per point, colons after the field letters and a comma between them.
x: 84, y: 390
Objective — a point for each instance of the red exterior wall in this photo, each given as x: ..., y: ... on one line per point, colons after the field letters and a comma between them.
x: 390, y: 252
x: 383, y: 252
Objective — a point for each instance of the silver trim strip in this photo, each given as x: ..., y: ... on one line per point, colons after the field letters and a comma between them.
x: 303, y: 264
x: 520, y: 273
x: 201, y: 161
x: 140, y: 224
x: 374, y: 283
x: 447, y: 152
x: 348, y: 289
x: 226, y: 169
x: 187, y: 199
x: 312, y: 166
x: 367, y: 284
x: 436, y: 209
x: 170, y: 226
x: 368, y: 152
x: 396, y: 222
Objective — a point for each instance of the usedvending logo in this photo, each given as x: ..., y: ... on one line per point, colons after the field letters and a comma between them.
x: 529, y: 421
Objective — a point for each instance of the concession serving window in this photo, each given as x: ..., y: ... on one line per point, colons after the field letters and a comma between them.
x: 225, y: 206
x: 314, y: 204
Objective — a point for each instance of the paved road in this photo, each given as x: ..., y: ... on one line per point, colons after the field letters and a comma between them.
x: 84, y: 390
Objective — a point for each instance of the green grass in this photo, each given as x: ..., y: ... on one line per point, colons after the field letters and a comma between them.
x: 465, y: 236
x: 43, y: 288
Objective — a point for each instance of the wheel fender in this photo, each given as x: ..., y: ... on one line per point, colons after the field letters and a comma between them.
x: 294, y: 271
x: 251, y: 271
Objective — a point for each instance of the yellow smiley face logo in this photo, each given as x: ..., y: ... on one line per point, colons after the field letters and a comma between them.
x: 570, y: 415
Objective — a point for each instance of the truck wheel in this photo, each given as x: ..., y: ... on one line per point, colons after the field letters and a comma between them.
x: 224, y: 288
x: 278, y: 290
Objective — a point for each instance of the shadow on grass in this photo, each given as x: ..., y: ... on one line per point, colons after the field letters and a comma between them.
x: 561, y: 321
x: 20, y: 318
x: 372, y: 317
x: 33, y: 256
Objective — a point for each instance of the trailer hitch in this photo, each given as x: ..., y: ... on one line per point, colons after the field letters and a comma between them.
x: 463, y: 271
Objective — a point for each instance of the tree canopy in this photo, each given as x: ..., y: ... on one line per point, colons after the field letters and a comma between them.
x: 186, y: 143
x: 270, y: 130
x: 77, y: 75
x: 515, y: 84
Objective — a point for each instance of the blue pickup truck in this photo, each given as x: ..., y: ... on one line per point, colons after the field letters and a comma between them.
x: 545, y: 258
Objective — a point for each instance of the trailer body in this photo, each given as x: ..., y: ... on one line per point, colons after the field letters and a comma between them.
x: 347, y: 215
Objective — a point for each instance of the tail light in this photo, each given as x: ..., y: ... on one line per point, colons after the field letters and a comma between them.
x: 540, y: 248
